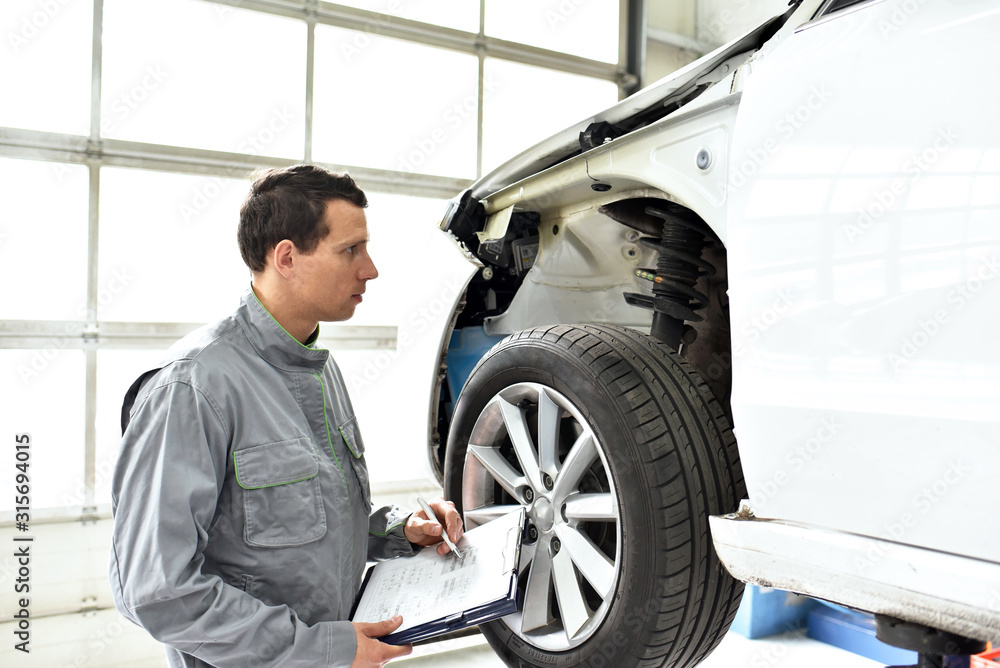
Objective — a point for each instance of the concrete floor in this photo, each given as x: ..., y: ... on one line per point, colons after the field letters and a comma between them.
x: 790, y: 650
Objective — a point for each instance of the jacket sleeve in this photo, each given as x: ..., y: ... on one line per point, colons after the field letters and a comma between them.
x: 167, y: 481
x: 385, y: 534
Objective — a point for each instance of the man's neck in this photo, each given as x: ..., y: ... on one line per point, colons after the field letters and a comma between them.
x: 298, y: 327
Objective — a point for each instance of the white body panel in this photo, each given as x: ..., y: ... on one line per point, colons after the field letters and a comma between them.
x: 864, y: 244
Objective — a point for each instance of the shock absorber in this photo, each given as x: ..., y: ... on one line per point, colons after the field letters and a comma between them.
x: 674, y: 299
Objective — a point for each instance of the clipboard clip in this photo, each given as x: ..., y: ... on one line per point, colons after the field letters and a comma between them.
x: 512, y: 550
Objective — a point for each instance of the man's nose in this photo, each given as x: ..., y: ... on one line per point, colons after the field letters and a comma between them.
x: 369, y: 272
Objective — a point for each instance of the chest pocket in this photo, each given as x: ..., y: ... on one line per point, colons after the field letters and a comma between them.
x: 282, y: 500
x: 352, y: 438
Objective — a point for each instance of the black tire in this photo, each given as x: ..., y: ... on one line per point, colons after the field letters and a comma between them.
x: 667, y: 458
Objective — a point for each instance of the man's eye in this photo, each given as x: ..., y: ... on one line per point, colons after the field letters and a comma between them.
x: 350, y: 249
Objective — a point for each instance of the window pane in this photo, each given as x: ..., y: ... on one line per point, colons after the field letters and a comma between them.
x: 116, y: 371
x: 587, y: 29
x: 458, y: 14
x: 168, y: 246
x: 203, y: 75
x: 43, y: 396
x: 396, y: 105
x: 528, y: 104
x: 45, y: 65
x: 399, y: 227
x: 43, y: 240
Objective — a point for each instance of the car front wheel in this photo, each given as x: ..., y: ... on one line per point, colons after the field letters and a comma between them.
x: 619, y: 454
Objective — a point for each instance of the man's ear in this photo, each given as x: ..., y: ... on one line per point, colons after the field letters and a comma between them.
x: 283, y: 257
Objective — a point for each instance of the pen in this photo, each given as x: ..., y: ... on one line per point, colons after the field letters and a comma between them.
x: 444, y: 529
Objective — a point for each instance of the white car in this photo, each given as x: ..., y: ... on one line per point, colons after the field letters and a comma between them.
x: 740, y: 327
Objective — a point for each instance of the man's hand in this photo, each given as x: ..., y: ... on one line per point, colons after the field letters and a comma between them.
x: 423, y: 531
x: 374, y: 654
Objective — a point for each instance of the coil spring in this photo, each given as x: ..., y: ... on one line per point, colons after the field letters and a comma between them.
x: 678, y: 268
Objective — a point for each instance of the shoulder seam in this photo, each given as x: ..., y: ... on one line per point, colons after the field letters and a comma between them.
x: 194, y: 386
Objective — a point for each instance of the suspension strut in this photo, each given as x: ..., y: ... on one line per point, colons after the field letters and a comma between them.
x: 674, y: 300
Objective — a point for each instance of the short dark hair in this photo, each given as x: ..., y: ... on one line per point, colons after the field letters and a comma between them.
x: 289, y: 203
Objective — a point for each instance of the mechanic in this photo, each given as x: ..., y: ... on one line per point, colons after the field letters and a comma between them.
x: 240, y: 498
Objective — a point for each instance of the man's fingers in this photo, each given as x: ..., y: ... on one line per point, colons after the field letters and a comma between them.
x: 447, y: 514
x: 373, y: 653
x: 428, y: 527
x: 455, y: 529
x: 395, y: 651
x: 379, y: 629
x: 391, y: 624
x: 423, y: 531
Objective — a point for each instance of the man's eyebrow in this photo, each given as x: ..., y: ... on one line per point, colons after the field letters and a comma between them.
x: 353, y: 242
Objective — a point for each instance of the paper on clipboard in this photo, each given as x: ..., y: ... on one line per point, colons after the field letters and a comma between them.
x: 435, y: 594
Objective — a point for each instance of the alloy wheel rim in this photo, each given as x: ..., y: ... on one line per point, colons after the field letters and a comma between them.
x: 532, y: 448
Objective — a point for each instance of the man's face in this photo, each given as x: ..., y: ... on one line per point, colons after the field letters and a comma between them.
x: 331, y: 279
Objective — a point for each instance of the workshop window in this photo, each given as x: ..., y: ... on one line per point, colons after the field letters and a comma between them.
x: 168, y: 246
x: 398, y: 225
x: 586, y: 29
x: 45, y: 68
x: 54, y: 380
x: 43, y: 240
x: 394, y: 105
x: 203, y: 75
x: 119, y: 229
x: 457, y: 14
x: 524, y: 104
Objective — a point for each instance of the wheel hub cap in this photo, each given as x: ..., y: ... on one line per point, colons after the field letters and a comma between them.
x: 542, y: 514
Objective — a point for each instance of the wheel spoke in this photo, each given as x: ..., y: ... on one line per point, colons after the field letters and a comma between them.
x: 500, y: 469
x: 578, y: 461
x: 548, y: 433
x: 592, y: 562
x: 537, y: 609
x: 591, y: 507
x: 572, y: 607
x: 527, y: 556
x: 487, y: 514
x: 517, y: 430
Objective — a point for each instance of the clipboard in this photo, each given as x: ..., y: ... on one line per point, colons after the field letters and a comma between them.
x: 439, y: 594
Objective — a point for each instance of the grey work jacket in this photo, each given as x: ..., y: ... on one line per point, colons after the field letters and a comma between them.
x: 241, y: 501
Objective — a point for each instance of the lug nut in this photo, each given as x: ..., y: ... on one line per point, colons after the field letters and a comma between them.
x: 555, y: 545
x: 547, y: 480
x: 529, y: 495
x: 532, y: 533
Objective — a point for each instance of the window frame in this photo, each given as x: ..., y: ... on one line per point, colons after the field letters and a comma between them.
x: 94, y: 151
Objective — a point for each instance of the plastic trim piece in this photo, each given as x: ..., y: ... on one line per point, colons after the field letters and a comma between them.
x: 938, y: 589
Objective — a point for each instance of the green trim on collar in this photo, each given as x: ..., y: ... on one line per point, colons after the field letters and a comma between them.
x: 312, y: 337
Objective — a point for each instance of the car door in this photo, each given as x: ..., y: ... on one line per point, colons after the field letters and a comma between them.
x: 864, y: 253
